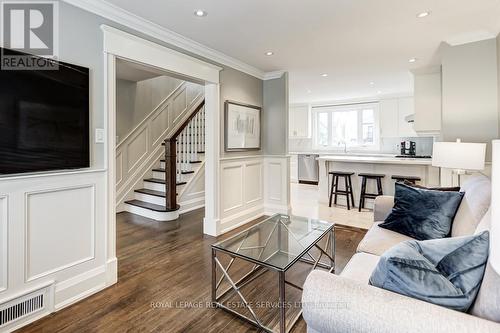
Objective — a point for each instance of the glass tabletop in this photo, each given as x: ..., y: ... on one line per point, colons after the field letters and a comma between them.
x: 277, y: 241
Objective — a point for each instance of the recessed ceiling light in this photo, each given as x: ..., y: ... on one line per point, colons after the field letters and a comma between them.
x: 412, y: 60
x: 372, y: 83
x: 309, y: 91
x: 324, y: 75
x: 200, y: 13
x: 269, y: 53
x: 379, y: 92
x: 423, y: 14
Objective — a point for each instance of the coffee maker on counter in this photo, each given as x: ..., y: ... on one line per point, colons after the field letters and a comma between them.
x: 408, y: 148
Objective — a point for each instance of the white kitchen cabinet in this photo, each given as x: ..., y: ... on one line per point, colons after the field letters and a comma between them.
x: 428, y: 102
x: 392, y: 115
x: 388, y: 115
x: 405, y: 108
x: 294, y: 168
x: 299, y: 121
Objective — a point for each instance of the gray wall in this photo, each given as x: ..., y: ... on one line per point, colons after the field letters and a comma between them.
x: 136, y: 100
x: 239, y: 87
x: 470, y: 93
x: 275, y: 118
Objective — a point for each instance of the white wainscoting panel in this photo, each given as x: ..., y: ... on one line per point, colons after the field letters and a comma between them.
x: 119, y: 168
x: 233, y: 187
x: 137, y: 149
x: 62, y: 216
x: 160, y: 124
x: 253, y: 182
x: 4, y: 222
x: 277, y: 184
x: 242, y: 193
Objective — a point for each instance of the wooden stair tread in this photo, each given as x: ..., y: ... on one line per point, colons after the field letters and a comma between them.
x: 150, y: 206
x: 161, y: 181
x: 151, y: 192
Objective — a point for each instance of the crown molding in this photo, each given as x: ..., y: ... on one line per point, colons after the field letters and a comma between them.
x: 273, y: 75
x: 125, y: 18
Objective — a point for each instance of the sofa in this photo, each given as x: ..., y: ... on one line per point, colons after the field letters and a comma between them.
x: 347, y: 303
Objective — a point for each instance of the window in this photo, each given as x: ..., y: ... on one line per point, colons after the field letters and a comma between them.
x: 353, y: 125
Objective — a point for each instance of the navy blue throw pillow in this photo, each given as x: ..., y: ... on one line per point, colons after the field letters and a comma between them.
x: 422, y: 214
x: 446, y: 272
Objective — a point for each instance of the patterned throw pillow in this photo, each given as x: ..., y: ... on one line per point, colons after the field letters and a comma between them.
x: 446, y: 272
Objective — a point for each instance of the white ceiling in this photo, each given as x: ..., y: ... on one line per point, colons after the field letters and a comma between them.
x: 355, y: 41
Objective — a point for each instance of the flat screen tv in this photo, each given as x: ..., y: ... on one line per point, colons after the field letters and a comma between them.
x: 44, y: 119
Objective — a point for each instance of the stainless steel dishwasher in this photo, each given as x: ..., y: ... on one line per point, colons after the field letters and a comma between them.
x: 308, y: 169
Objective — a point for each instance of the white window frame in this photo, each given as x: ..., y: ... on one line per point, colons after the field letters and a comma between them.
x: 359, y: 107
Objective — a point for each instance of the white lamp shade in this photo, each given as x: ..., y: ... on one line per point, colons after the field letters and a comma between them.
x: 459, y: 155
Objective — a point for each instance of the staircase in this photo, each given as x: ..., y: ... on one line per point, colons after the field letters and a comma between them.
x: 184, y: 157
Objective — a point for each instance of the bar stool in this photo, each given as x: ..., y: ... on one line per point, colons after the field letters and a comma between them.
x: 364, y: 195
x: 411, y: 179
x: 347, y: 185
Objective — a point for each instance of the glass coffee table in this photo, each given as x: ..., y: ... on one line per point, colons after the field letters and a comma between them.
x: 275, y: 244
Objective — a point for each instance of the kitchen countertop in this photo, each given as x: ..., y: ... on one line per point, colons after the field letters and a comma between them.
x: 381, y: 159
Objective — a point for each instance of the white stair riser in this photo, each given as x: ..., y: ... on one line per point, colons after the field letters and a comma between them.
x: 151, y: 214
x: 150, y: 198
x: 154, y: 186
x: 184, y: 177
x: 159, y: 175
x: 159, y: 187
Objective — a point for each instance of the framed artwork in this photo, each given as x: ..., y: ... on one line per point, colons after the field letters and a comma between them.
x: 241, y: 126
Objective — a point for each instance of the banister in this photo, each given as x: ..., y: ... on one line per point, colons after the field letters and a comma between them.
x: 171, y: 161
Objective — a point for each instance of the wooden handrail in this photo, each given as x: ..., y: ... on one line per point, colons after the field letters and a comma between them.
x: 170, y: 162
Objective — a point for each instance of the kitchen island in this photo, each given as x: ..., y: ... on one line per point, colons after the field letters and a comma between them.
x: 380, y: 164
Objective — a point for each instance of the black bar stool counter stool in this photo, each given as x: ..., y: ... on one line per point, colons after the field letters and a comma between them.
x: 411, y: 179
x: 347, y: 191
x: 364, y: 195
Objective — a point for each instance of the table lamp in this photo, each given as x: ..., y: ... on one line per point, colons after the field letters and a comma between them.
x: 459, y: 156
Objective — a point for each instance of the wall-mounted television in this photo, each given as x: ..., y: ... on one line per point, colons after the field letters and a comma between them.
x: 44, y: 119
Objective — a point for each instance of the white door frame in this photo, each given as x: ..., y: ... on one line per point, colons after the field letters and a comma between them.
x: 119, y: 44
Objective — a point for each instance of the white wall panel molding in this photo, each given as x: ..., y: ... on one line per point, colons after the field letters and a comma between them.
x: 64, y: 216
x: 4, y: 245
x: 277, y: 184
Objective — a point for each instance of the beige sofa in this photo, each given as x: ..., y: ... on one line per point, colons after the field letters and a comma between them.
x: 347, y: 303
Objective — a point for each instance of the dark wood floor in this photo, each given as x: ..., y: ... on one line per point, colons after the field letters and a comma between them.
x: 164, y: 283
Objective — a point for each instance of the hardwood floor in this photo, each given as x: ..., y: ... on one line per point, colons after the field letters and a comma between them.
x: 164, y: 283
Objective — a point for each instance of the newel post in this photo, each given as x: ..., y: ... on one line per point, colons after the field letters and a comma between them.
x: 170, y: 174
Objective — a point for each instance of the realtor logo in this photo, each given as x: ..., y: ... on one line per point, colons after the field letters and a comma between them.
x: 29, y: 34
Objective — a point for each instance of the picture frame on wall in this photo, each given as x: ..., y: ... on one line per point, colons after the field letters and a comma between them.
x: 242, y: 124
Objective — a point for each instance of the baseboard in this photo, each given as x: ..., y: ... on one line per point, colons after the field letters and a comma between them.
x: 190, y: 205
x: 79, y: 287
x: 237, y: 220
x: 277, y: 209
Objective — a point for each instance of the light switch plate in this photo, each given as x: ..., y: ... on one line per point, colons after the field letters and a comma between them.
x: 99, y: 135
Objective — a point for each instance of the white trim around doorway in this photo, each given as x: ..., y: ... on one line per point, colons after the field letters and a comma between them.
x: 119, y: 44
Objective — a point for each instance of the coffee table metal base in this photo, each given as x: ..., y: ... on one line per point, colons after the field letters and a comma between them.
x: 259, y: 268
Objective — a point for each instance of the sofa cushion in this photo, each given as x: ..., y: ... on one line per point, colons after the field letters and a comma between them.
x: 476, y: 201
x: 487, y: 303
x: 360, y: 267
x: 378, y: 240
x: 446, y: 272
x: 422, y: 214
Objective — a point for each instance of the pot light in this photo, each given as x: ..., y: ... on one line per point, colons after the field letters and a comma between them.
x: 372, y: 83
x: 269, y: 53
x: 423, y: 14
x: 412, y: 60
x: 324, y: 75
x: 200, y: 13
x: 379, y: 92
x: 309, y: 91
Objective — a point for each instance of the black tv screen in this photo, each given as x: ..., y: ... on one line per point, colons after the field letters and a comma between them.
x: 44, y: 119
